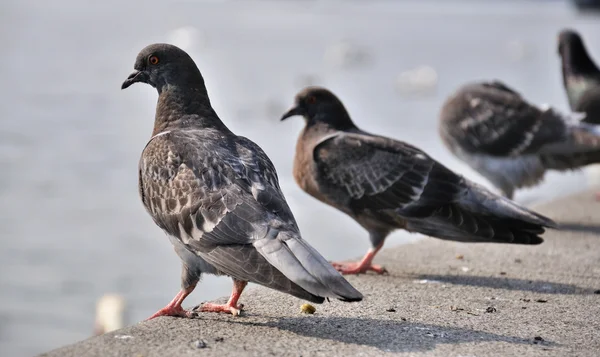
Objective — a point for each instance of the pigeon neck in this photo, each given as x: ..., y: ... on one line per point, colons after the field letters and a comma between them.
x: 177, y: 108
x: 338, y: 121
x: 577, y: 62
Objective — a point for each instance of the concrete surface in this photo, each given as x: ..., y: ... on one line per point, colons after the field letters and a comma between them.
x: 440, y: 299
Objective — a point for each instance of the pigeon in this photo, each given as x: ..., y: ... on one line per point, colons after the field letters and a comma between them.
x: 512, y: 142
x: 216, y: 195
x: 581, y: 76
x: 581, y: 79
x: 385, y: 184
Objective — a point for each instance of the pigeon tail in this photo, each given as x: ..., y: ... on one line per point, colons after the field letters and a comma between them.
x: 304, y: 266
x: 581, y: 146
x: 503, y: 208
x: 482, y: 216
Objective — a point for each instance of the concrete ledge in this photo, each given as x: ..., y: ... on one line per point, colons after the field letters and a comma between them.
x: 441, y: 299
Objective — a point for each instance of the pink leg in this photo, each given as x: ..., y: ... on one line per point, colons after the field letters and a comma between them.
x: 231, y: 306
x: 362, y: 266
x: 174, y: 307
x: 597, y: 196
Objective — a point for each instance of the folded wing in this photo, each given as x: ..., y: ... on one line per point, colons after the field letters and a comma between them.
x: 394, y: 179
x: 223, y: 202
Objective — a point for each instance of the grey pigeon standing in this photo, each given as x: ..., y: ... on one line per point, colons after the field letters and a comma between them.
x: 386, y: 184
x: 216, y: 195
x: 511, y: 142
x: 581, y: 76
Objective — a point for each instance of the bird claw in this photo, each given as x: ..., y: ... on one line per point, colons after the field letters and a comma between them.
x: 359, y: 268
x: 173, y: 311
x: 235, y: 310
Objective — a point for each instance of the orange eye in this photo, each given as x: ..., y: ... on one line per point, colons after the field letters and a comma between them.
x: 153, y: 60
x: 311, y: 100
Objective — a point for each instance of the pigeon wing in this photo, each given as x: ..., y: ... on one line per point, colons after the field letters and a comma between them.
x: 494, y: 120
x: 382, y: 175
x: 377, y: 173
x: 222, y: 200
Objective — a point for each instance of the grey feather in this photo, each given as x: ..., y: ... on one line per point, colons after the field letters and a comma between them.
x: 510, y: 141
x: 581, y: 76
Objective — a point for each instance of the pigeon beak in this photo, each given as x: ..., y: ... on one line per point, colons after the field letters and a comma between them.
x: 135, y: 76
x: 292, y: 112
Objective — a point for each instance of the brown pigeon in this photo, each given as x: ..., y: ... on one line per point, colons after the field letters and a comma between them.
x: 385, y: 184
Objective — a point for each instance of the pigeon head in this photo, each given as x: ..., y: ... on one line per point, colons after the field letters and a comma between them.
x: 573, y: 53
x: 569, y: 40
x: 318, y: 104
x: 161, y: 65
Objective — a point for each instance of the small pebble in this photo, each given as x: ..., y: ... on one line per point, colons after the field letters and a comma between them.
x: 307, y: 309
x: 219, y: 339
x: 518, y: 261
x: 541, y: 300
x: 597, y: 292
x: 502, y: 273
x: 403, y: 318
x: 523, y: 307
x: 490, y: 309
x: 199, y: 344
x: 538, y: 338
x: 391, y: 309
x: 460, y: 257
x: 123, y: 337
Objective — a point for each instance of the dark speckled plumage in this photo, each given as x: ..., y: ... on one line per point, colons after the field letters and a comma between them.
x: 385, y: 184
x: 581, y: 76
x: 217, y: 195
x: 510, y: 141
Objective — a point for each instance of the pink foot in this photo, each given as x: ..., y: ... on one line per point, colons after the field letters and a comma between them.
x: 235, y: 310
x: 176, y: 311
x: 358, y: 268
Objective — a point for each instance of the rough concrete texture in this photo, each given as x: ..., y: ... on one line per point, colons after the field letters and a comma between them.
x: 440, y: 299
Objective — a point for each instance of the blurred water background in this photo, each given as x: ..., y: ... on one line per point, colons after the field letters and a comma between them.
x: 72, y: 227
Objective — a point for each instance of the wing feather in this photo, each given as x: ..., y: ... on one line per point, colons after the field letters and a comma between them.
x: 222, y: 200
x: 492, y: 119
x: 377, y: 173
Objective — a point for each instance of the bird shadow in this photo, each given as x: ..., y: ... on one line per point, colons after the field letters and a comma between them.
x: 386, y: 335
x: 579, y: 227
x: 536, y: 286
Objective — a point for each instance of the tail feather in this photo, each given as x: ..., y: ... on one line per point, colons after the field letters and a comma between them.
x: 303, y: 265
x: 252, y: 266
x: 582, y: 148
x: 484, y: 229
x: 488, y: 203
x: 322, y: 270
x: 482, y: 216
